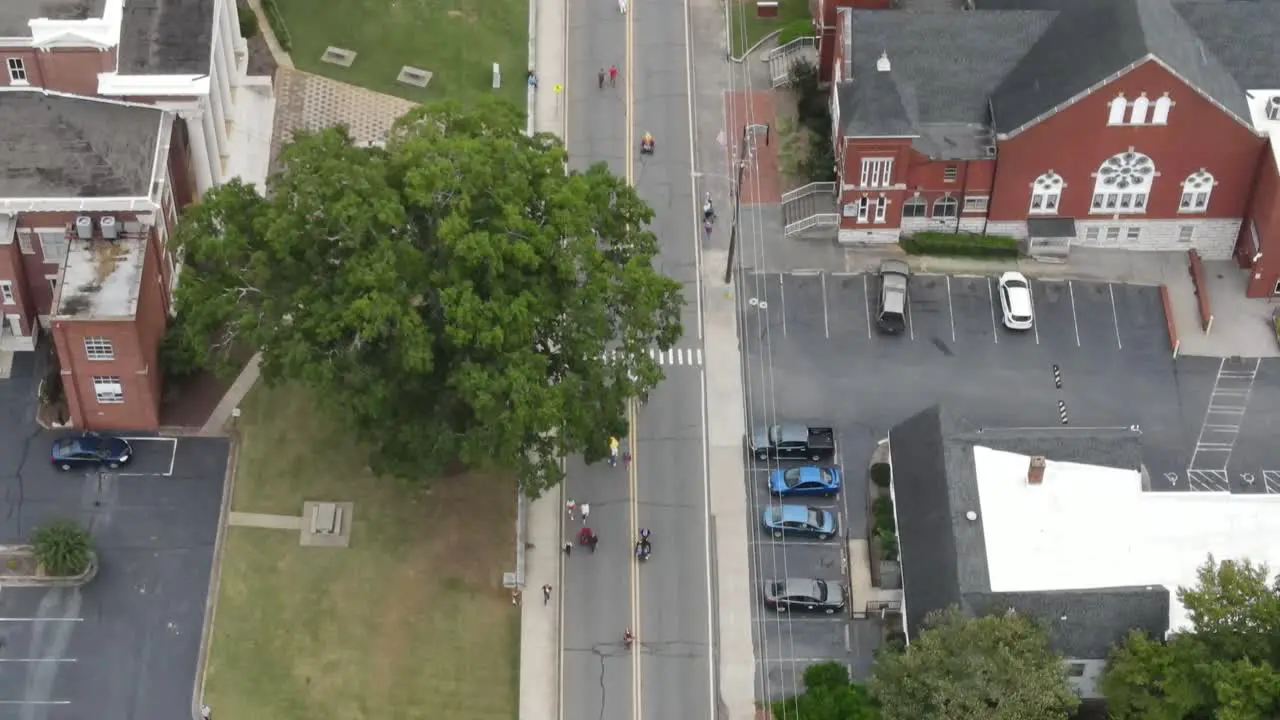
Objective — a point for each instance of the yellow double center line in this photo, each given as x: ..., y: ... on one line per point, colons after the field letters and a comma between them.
x: 628, y: 68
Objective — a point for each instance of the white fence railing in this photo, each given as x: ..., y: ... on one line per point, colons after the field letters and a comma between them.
x: 811, y: 189
x: 819, y: 220
x: 781, y: 59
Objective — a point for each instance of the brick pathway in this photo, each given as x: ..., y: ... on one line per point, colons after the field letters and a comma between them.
x: 762, y: 180
x: 310, y: 102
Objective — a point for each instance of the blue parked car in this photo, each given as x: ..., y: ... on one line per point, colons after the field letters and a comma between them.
x: 799, y: 521
x: 90, y: 449
x: 806, y: 480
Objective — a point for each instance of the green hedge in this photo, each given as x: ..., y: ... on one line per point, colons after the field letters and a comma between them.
x: 882, y: 510
x: 276, y: 21
x: 965, y: 244
x: 801, y: 27
x: 881, y: 475
x: 248, y: 22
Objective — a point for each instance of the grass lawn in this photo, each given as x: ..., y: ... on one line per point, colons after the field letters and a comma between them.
x: 747, y: 29
x: 410, y: 621
x: 458, y: 40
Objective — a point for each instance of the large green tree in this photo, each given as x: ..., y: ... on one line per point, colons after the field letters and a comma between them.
x: 1223, y: 667
x: 453, y: 296
x: 828, y: 695
x: 997, y: 667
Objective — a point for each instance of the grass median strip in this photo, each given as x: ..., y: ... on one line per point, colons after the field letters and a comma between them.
x: 410, y: 621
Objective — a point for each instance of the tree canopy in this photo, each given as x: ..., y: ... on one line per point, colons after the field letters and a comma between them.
x: 828, y: 695
x: 1223, y: 667
x: 454, y: 295
x: 997, y: 667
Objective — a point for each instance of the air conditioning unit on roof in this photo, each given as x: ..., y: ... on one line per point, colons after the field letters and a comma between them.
x: 109, y: 229
x: 84, y: 227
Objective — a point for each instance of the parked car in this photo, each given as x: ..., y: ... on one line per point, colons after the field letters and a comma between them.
x: 805, y: 480
x: 806, y: 594
x: 789, y: 520
x: 891, y: 311
x: 90, y: 450
x: 793, y: 441
x: 1015, y: 301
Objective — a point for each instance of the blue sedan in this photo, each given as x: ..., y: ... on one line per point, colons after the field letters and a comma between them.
x: 90, y: 450
x: 799, y: 521
x: 807, y: 480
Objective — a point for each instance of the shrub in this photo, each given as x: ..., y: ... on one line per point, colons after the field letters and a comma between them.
x: 887, y: 543
x: 794, y: 30
x: 882, y: 510
x: 62, y: 547
x: 964, y: 244
x: 881, y: 475
x: 248, y: 22
x: 276, y: 21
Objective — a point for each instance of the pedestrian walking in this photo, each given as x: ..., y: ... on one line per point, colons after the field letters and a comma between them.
x: 626, y: 459
x: 600, y: 78
x: 546, y: 593
x: 515, y: 596
x: 569, y: 507
x: 568, y: 548
x: 533, y: 80
x: 613, y: 451
x: 586, y: 510
x: 613, y: 76
x: 707, y: 227
x: 593, y: 541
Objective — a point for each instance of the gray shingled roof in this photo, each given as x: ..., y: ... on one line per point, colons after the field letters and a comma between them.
x: 56, y: 146
x: 873, y: 107
x: 1242, y: 35
x: 944, y: 555
x: 14, y: 14
x: 1095, y: 39
x: 166, y: 37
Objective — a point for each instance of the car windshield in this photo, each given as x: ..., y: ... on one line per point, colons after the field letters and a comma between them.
x: 820, y: 587
x: 791, y: 477
x: 814, y: 517
x: 775, y: 514
x: 828, y: 477
x: 1015, y: 284
x: 1021, y: 318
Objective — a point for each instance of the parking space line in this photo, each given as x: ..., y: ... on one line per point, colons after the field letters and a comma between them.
x: 782, y: 298
x: 173, y: 453
x: 826, y: 322
x: 1115, y: 317
x: 866, y: 304
x: 951, y: 310
x: 1071, y: 290
x: 910, y: 327
x: 35, y: 702
x: 40, y: 619
x: 995, y: 333
x: 799, y: 543
x: 795, y: 660
x: 37, y: 660
x: 1035, y: 325
x: 774, y: 616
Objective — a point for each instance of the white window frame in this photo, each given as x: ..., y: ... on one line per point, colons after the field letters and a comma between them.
x: 1186, y: 233
x: 6, y: 292
x: 1276, y: 290
x: 1196, y: 190
x: 108, y: 390
x: 976, y: 204
x: 44, y: 246
x: 1128, y: 200
x: 950, y: 173
x: 914, y: 202
x: 948, y: 201
x: 864, y: 204
x: 876, y: 172
x: 1160, y: 115
x: 1138, y: 110
x: 99, y: 349
x: 1113, y: 234
x: 1115, y: 110
x: 882, y: 207
x: 17, y: 71
x: 1133, y: 234
x: 26, y: 244
x: 1046, y: 194
x: 1091, y: 234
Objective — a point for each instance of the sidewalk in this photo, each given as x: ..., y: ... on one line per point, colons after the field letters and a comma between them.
x: 540, y: 657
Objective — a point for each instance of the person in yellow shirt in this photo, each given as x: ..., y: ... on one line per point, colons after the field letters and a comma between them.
x: 613, y: 451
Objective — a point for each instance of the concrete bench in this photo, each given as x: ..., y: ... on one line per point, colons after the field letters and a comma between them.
x: 326, y: 519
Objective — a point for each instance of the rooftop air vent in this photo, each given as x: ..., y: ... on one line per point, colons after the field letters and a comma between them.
x: 84, y: 227
x: 1273, y: 107
x: 989, y: 151
x: 110, y: 231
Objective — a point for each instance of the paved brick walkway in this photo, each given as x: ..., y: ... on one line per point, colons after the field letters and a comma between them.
x: 762, y: 180
x: 310, y: 102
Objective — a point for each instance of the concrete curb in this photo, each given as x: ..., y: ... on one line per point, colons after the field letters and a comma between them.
x: 215, y: 579
x: 83, y: 578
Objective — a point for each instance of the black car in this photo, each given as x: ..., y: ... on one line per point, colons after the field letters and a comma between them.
x: 90, y: 450
x: 805, y: 594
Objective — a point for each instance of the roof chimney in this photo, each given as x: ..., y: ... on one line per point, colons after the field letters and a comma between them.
x: 882, y: 65
x: 1035, y: 473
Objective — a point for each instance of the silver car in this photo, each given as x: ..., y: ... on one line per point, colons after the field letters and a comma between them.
x: 891, y: 312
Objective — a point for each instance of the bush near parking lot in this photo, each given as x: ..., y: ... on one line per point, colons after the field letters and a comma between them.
x: 887, y: 544
x: 881, y: 475
x: 964, y: 244
x: 62, y: 548
x: 882, y: 509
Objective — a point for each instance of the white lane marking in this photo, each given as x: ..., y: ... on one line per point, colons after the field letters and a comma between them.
x: 866, y: 304
x: 995, y: 333
x: 782, y: 297
x: 951, y: 310
x: 785, y: 542
x: 910, y: 325
x: 1035, y: 325
x: 40, y: 619
x: 774, y: 616
x: 173, y: 453
x: 826, y: 322
x: 706, y: 528
x: 1115, y: 317
x: 1075, y: 323
x: 797, y: 660
x: 37, y: 660
x: 35, y: 702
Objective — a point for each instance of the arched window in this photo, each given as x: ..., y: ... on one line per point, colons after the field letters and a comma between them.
x: 1195, y: 192
x: 1046, y: 192
x: 1138, y: 115
x: 1161, y: 115
x: 1123, y: 184
x: 945, y: 207
x: 915, y: 207
x: 1116, y: 114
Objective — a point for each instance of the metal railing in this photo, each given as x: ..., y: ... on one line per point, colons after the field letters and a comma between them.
x: 781, y: 59
x: 818, y: 220
x: 799, y: 43
x: 810, y: 189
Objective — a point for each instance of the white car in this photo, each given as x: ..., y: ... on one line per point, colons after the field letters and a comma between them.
x: 1015, y: 301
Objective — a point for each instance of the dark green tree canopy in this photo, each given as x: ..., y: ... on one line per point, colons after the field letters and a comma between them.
x: 453, y: 296
x: 997, y: 667
x: 828, y: 695
x: 1223, y: 667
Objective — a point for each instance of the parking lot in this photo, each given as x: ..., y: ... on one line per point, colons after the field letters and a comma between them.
x: 125, y: 645
x: 1097, y: 356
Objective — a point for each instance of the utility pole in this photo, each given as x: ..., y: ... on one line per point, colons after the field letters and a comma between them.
x: 737, y: 203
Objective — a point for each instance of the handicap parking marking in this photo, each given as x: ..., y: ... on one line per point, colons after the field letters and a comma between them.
x: 145, y: 441
x: 1271, y: 481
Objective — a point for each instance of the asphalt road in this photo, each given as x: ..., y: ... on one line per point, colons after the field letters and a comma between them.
x: 665, y: 601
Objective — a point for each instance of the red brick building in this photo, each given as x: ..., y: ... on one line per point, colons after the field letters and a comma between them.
x: 112, y: 119
x: 991, y: 120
